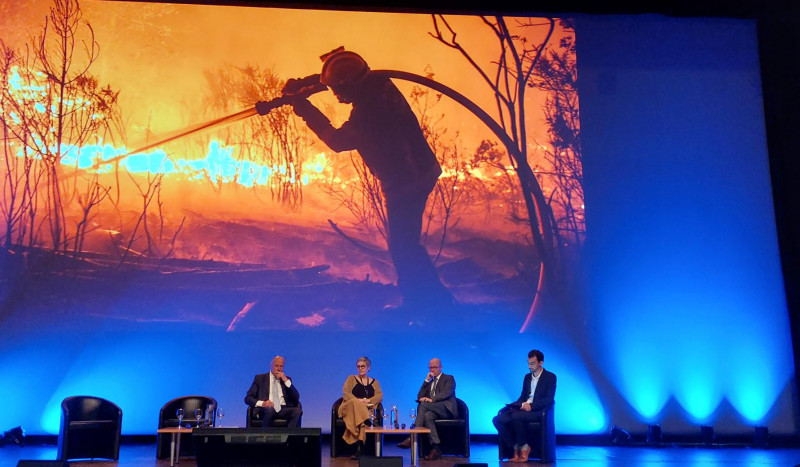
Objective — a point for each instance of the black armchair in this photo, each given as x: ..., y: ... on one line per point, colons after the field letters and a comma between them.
x: 453, y: 433
x: 254, y: 418
x: 167, y: 418
x: 91, y: 428
x: 338, y: 446
x: 541, y: 439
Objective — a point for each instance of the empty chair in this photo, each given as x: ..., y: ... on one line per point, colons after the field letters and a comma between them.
x: 167, y: 417
x: 253, y: 419
x: 338, y: 446
x: 453, y: 433
x: 541, y: 439
x: 90, y: 428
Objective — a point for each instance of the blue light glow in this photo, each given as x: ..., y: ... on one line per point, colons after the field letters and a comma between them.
x: 685, y: 319
x: 687, y: 277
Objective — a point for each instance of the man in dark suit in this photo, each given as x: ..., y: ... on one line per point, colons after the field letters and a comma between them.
x: 437, y: 399
x: 538, y: 394
x: 274, y: 395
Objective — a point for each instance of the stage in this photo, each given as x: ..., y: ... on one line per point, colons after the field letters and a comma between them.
x: 141, y: 453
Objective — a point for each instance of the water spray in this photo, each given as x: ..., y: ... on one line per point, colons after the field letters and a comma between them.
x: 241, y: 115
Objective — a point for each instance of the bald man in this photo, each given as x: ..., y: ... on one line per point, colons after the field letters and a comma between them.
x: 437, y: 399
x: 274, y: 395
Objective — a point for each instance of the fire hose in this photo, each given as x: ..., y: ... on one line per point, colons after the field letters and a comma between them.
x: 302, y: 90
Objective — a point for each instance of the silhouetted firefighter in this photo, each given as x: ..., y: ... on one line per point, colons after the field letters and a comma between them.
x: 385, y: 132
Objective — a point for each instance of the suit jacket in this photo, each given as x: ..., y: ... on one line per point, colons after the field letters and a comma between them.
x: 259, y: 391
x: 445, y: 392
x: 545, y: 394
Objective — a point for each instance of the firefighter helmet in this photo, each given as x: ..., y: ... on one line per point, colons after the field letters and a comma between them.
x: 343, y: 68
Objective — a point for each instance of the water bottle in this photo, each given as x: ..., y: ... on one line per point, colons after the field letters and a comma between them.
x: 209, y: 418
x: 395, y: 417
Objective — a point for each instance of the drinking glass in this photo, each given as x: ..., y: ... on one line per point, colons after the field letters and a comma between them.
x: 220, y: 414
x: 372, y: 416
x: 198, y: 414
x: 179, y: 413
x: 386, y: 419
x: 413, y: 416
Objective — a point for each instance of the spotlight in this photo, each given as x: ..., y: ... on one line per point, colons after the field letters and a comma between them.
x: 654, y: 434
x: 619, y: 436
x: 15, y: 435
x: 707, y: 434
x: 761, y: 437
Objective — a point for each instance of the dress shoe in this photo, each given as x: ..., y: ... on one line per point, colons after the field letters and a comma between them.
x: 405, y: 444
x: 434, y: 454
x: 522, y: 457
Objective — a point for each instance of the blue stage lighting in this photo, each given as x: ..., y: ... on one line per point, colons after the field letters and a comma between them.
x: 15, y: 435
x: 654, y: 434
x: 761, y: 437
x: 707, y: 434
x: 620, y: 436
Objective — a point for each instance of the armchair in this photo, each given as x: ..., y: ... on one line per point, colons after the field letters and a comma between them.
x: 167, y: 418
x: 338, y: 446
x: 541, y: 439
x: 253, y: 418
x: 453, y: 433
x: 91, y: 428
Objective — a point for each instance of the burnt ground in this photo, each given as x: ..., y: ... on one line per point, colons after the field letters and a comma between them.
x: 273, y: 276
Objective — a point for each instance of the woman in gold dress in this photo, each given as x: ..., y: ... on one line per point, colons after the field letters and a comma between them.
x: 360, y: 393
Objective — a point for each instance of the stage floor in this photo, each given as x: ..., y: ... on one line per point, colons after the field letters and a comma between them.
x: 143, y: 455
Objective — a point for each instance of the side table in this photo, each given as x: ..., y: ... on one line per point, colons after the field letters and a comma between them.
x: 413, y: 432
x: 175, y: 442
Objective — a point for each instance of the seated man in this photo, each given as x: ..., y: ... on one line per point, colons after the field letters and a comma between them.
x: 437, y: 399
x: 274, y: 395
x: 538, y: 393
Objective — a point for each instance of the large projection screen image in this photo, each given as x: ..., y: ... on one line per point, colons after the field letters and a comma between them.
x: 191, y: 190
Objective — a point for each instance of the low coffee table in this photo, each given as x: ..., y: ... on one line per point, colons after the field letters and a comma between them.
x: 413, y: 432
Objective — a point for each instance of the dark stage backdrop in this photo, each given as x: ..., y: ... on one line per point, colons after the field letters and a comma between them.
x: 184, y: 269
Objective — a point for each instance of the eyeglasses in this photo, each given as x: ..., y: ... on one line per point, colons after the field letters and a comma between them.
x: 361, y: 366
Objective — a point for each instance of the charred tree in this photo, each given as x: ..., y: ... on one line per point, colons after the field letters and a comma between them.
x: 55, y: 108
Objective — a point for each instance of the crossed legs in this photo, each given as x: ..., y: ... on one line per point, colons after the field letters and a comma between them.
x: 291, y: 414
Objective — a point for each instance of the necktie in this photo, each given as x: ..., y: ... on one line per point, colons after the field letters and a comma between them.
x: 433, y: 387
x: 275, y: 395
